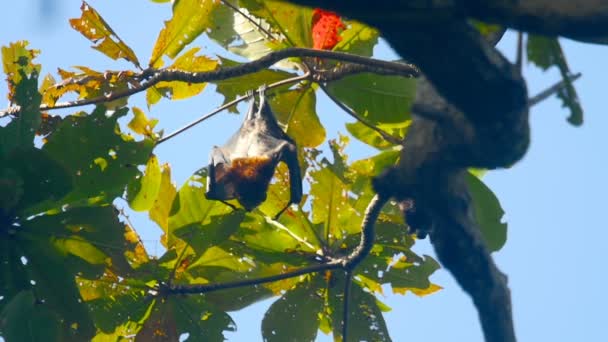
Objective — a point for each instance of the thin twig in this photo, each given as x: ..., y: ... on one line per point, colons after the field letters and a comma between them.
x: 228, y: 105
x: 520, y: 48
x: 251, y: 20
x: 167, y: 75
x: 384, y: 134
x: 543, y: 95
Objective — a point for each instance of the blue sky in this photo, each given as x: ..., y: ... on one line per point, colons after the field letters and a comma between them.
x: 555, y: 199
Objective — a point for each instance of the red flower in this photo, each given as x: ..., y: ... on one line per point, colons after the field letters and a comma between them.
x: 325, y: 29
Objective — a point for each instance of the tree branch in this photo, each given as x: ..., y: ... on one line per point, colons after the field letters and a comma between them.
x: 543, y: 95
x: 583, y: 20
x: 479, y: 105
x: 151, y: 77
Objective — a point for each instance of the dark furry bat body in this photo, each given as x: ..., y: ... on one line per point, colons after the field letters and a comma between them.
x: 244, y: 166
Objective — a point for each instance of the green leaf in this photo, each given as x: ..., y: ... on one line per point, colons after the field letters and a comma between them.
x: 13, y: 275
x: 489, y: 214
x: 42, y: 181
x: 294, y: 316
x: 190, y: 19
x: 119, y: 305
x: 237, y: 298
x: 83, y: 232
x: 296, y: 111
x: 358, y: 39
x: 373, y: 166
x: 379, y: 99
x: 405, y: 274
x: 203, y: 236
x: 24, y: 319
x: 289, y: 25
x: 54, y: 285
x: 545, y: 52
x: 144, y: 190
x: 94, y: 27
x: 159, y: 212
x: 331, y: 205
x: 191, y: 206
x: 100, y: 160
x: 264, y: 234
x: 373, y: 138
x: 236, y: 86
x: 365, y: 319
x: 178, y: 315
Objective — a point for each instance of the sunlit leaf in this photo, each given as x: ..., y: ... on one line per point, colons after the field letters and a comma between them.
x: 94, y: 27
x: 140, y: 123
x: 379, y: 99
x: 296, y: 111
x: 89, y: 83
x: 258, y: 32
x: 190, y: 19
x: 373, y: 138
x: 358, y: 39
x: 159, y: 212
x: 17, y: 64
x: 22, y: 76
x: 418, y: 292
x: 331, y: 205
x: 265, y: 234
x: 292, y: 21
x: 143, y: 193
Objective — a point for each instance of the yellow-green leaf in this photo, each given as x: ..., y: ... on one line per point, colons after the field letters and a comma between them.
x: 93, y: 27
x: 140, y: 123
x: 190, y: 19
x: 16, y: 58
x: 296, y: 111
x: 162, y: 205
x: 149, y: 187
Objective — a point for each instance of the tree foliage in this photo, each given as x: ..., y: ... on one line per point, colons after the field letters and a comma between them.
x: 73, y: 268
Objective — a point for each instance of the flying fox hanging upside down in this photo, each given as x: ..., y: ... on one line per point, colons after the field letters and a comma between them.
x: 244, y: 166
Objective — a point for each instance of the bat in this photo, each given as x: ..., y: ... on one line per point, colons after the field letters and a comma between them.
x: 243, y: 167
